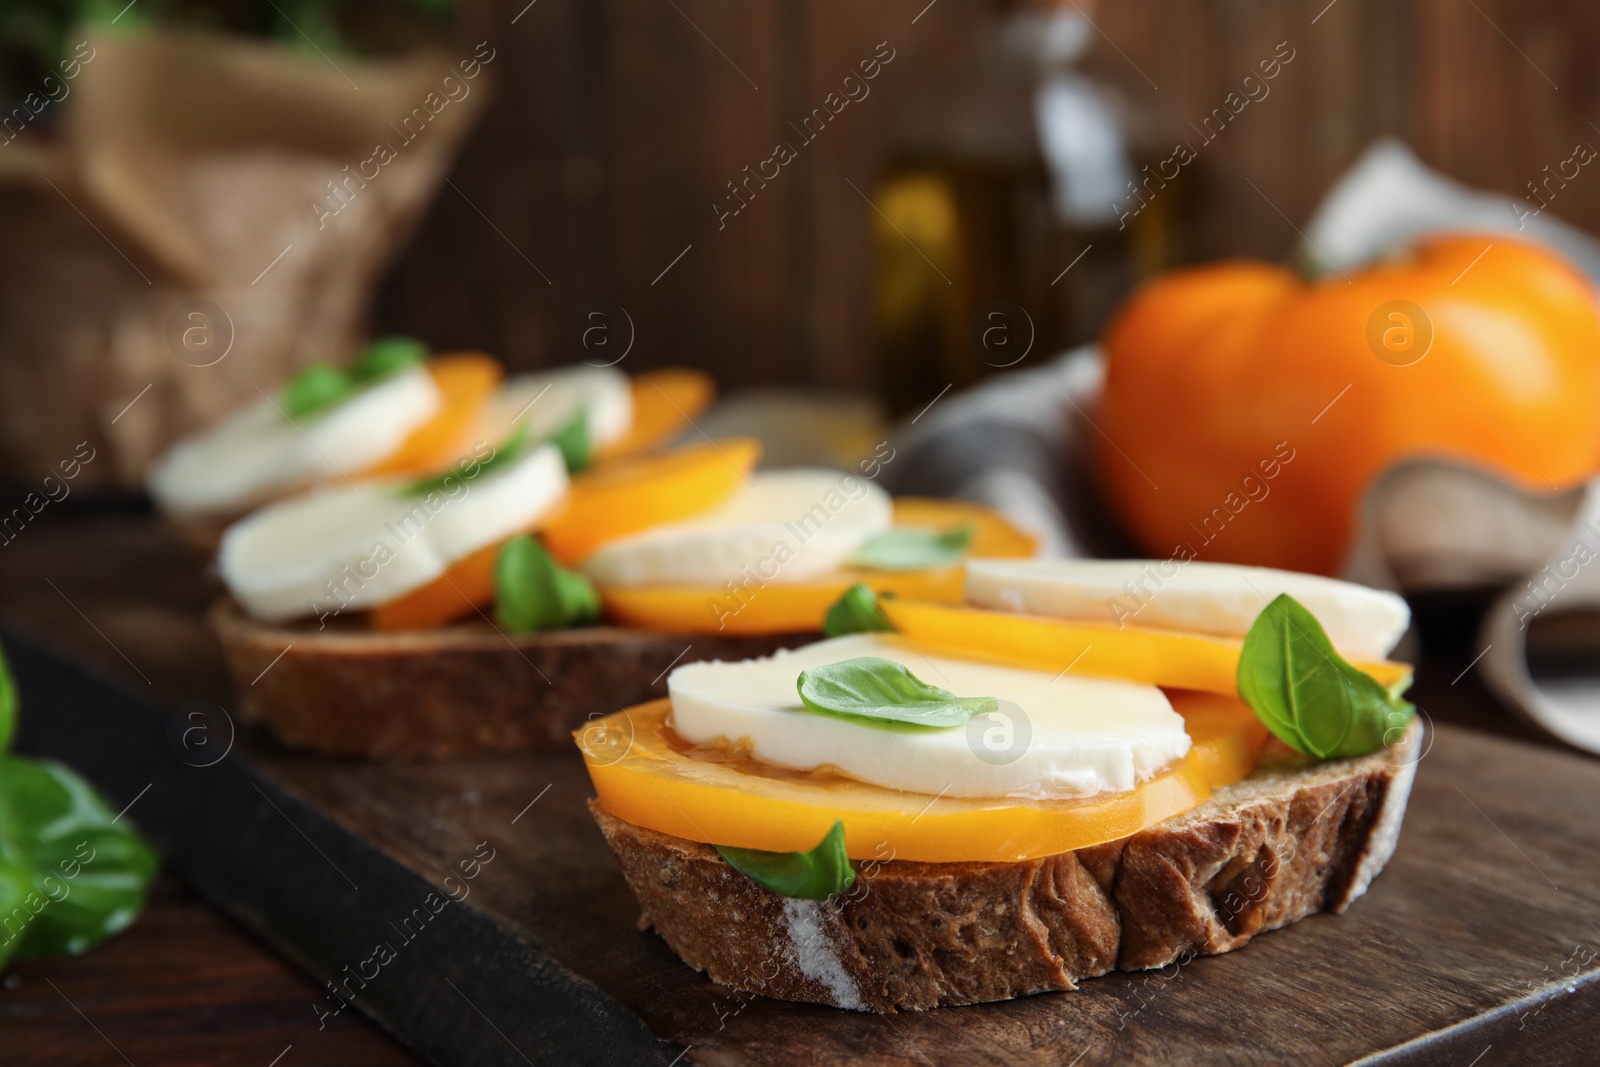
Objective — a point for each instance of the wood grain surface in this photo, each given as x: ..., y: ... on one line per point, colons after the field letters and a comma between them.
x: 1478, y: 941
x: 184, y: 987
x: 618, y: 125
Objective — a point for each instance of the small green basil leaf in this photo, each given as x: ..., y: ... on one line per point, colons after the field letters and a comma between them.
x: 533, y: 592
x: 468, y: 471
x: 573, y: 441
x: 85, y: 874
x: 883, y: 691
x: 914, y: 548
x: 823, y: 872
x: 316, y: 387
x: 1308, y: 695
x: 8, y: 703
x: 388, y: 356
x: 856, y: 612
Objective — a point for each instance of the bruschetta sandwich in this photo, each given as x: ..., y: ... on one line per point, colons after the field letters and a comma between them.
x: 546, y: 555
x: 1086, y: 766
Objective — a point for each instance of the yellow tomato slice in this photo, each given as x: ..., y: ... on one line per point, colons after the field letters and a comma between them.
x: 1227, y: 735
x: 460, y: 591
x: 754, y: 607
x: 995, y: 537
x: 665, y: 402
x: 466, y: 381
x: 624, y: 496
x: 644, y: 776
x: 772, y: 608
x: 1098, y: 650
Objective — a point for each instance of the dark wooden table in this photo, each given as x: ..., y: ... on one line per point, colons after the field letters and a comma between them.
x: 185, y: 986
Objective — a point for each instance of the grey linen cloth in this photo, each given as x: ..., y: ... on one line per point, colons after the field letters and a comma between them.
x: 1015, y: 443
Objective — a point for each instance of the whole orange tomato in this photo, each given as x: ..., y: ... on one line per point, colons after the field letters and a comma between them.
x: 1246, y: 411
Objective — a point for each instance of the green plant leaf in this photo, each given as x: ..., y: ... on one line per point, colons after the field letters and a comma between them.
x: 71, y: 875
x: 1308, y: 695
x: 8, y: 704
x: 321, y: 386
x: 104, y: 13
x: 388, y: 356
x: 533, y: 592
x: 508, y: 453
x: 309, y: 25
x: 883, y: 691
x: 856, y: 612
x: 823, y: 872
x: 315, y: 388
x: 915, y: 548
x: 574, y: 443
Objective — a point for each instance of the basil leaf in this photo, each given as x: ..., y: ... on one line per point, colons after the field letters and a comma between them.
x: 316, y: 387
x: 70, y: 876
x: 507, y: 454
x: 856, y: 612
x: 386, y: 357
x: 1308, y: 695
x: 573, y: 441
x: 823, y: 872
x: 915, y: 548
x: 883, y: 691
x: 8, y: 703
x: 321, y: 386
x: 533, y: 592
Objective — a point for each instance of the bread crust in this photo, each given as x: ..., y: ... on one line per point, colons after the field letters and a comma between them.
x: 455, y: 691
x: 1293, y: 838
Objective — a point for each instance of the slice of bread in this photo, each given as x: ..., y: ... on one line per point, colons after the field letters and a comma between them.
x: 1295, y: 837
x: 455, y: 691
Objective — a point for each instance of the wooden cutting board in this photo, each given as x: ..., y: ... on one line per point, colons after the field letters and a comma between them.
x: 1479, y: 945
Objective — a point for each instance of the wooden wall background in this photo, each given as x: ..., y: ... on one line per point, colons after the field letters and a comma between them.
x: 619, y: 121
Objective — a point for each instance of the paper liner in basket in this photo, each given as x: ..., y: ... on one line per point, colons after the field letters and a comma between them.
x: 167, y: 249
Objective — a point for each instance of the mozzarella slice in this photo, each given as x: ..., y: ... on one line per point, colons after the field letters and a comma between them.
x: 784, y: 526
x: 354, y: 547
x: 258, y: 453
x: 1056, y: 736
x: 547, y: 401
x: 1215, y: 598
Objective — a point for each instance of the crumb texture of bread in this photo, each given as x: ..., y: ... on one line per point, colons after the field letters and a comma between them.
x: 1294, y: 838
x: 455, y: 691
